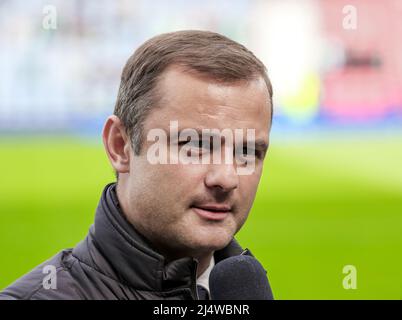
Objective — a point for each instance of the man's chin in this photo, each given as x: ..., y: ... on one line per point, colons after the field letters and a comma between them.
x: 212, y: 241
x: 207, y: 236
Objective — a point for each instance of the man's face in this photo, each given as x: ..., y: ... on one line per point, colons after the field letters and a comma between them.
x: 174, y: 205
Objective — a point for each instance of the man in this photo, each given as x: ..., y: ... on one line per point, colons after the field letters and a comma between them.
x: 162, y: 227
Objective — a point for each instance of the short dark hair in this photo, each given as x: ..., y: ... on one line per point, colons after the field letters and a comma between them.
x: 207, y: 53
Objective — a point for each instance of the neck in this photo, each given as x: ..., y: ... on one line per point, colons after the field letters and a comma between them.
x: 203, y: 263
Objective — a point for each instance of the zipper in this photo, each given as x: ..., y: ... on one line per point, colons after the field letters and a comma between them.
x: 245, y: 252
x: 194, y: 278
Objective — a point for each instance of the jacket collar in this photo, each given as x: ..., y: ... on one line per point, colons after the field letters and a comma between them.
x: 113, y: 247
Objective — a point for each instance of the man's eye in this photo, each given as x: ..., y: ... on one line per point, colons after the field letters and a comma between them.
x: 248, y: 152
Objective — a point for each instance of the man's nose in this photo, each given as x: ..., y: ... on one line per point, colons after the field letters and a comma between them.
x: 222, y: 176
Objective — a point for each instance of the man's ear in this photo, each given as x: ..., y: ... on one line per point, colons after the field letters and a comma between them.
x: 117, y: 144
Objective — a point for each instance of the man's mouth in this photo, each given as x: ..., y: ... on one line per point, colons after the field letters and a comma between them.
x: 212, y: 211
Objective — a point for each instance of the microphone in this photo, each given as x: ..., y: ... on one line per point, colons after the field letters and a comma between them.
x: 239, y: 278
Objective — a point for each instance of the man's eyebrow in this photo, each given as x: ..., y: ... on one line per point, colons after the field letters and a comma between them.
x: 199, y: 132
x: 185, y: 131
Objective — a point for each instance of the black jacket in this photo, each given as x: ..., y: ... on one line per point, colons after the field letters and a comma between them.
x: 114, y: 262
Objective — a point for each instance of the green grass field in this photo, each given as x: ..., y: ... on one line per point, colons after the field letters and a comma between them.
x: 321, y: 205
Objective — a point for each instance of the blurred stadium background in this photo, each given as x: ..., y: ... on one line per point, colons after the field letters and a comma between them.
x: 331, y: 193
